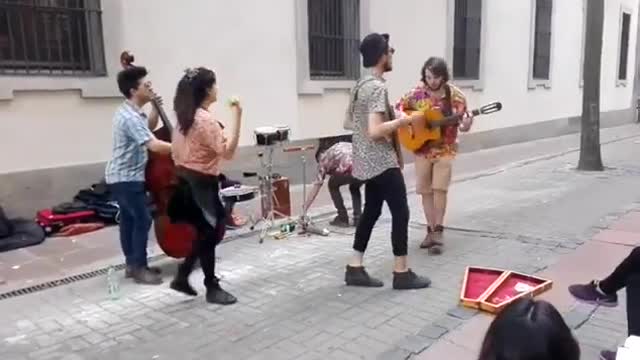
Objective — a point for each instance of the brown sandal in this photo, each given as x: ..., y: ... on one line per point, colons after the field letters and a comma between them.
x: 437, y: 245
x: 428, y: 242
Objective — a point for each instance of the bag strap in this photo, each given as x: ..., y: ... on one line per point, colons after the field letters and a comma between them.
x: 354, y: 97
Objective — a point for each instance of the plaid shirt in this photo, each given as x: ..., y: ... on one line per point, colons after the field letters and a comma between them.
x: 338, y: 159
x: 129, y: 154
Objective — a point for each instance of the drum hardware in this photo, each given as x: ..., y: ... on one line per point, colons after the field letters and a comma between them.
x: 238, y: 193
x: 266, y: 192
x: 266, y: 136
x: 283, y: 133
x: 307, y: 226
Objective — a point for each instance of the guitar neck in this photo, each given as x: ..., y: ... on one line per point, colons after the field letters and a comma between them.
x: 452, y: 120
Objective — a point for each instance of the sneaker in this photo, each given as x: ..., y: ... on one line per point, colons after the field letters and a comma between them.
x: 608, y: 355
x: 409, y: 281
x: 183, y: 286
x: 146, y: 277
x: 128, y: 272
x: 216, y: 295
x: 590, y: 294
x: 358, y: 276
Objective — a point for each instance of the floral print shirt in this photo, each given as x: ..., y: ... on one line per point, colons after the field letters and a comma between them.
x: 338, y: 159
x: 422, y: 98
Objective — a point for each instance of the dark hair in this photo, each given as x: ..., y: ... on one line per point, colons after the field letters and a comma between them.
x: 529, y: 330
x: 129, y: 79
x: 373, y: 47
x: 192, y: 89
x: 437, y: 66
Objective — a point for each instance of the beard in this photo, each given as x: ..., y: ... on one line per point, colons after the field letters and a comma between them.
x: 388, y: 66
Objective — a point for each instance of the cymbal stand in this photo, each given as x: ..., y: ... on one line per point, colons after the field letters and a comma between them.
x: 266, y: 195
x: 307, y: 226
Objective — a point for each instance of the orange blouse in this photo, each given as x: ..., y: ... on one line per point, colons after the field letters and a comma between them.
x: 201, y: 149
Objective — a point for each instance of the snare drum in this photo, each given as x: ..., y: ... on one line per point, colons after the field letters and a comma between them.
x: 283, y: 132
x: 238, y: 193
x: 266, y: 135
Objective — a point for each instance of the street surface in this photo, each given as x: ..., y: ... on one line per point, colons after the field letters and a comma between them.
x: 537, y: 216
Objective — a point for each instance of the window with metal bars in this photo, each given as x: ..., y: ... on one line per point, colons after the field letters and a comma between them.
x: 624, y: 46
x: 51, y: 37
x: 466, y: 39
x: 334, y: 38
x: 542, y: 40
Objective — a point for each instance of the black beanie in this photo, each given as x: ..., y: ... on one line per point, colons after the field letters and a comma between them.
x: 373, y: 47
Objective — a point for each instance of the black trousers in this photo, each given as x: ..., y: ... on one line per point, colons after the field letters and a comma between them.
x: 203, y: 209
x: 627, y: 274
x: 633, y: 305
x: 335, y: 183
x: 387, y: 187
x: 225, y: 182
x: 620, y: 276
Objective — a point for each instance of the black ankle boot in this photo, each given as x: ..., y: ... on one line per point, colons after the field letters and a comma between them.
x: 409, y: 281
x: 216, y: 295
x: 181, y: 284
x: 358, y: 276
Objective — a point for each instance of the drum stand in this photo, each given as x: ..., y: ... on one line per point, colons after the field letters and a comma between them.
x: 307, y: 226
x: 266, y: 193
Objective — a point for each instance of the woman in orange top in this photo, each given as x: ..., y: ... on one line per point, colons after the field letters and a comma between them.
x: 198, y: 148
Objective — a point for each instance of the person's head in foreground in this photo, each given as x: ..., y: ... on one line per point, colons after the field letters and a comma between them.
x: 529, y: 330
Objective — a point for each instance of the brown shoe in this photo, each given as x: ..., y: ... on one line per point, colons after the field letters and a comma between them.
x: 128, y: 272
x: 146, y: 277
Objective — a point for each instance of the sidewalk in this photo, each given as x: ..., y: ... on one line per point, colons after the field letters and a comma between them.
x: 63, y: 257
x: 596, y: 328
x: 292, y: 301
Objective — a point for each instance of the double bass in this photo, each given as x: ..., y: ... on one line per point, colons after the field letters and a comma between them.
x: 175, y: 239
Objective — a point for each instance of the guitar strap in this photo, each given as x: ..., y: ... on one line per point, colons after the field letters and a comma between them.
x: 394, y: 137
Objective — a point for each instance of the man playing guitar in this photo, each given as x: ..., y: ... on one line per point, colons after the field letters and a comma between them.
x: 434, y: 159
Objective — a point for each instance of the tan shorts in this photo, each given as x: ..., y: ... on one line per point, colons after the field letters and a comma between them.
x: 433, y: 174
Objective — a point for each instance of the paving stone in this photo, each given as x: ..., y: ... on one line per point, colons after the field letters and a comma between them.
x: 448, y: 322
x: 433, y: 332
x: 576, y: 318
x: 414, y: 344
x: 394, y: 354
x: 462, y: 313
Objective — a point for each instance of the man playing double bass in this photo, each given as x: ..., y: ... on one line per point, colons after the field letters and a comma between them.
x: 434, y: 160
x: 125, y: 172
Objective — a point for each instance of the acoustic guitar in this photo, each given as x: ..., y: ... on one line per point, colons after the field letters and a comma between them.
x: 414, y: 136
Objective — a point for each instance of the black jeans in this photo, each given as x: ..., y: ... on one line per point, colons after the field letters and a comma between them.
x: 620, y: 276
x: 633, y: 305
x: 202, y: 192
x: 225, y: 182
x: 387, y: 187
x: 627, y: 274
x: 135, y: 221
x: 337, y: 181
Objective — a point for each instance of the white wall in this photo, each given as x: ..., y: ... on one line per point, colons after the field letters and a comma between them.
x: 252, y: 46
x: 506, y: 55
